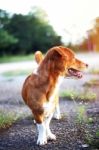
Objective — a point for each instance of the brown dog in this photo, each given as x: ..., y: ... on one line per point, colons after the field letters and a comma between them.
x: 40, y: 88
x: 38, y: 58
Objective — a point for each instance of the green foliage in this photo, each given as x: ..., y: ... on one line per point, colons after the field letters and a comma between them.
x: 81, y: 114
x: 92, y: 82
x: 7, y: 119
x: 85, y: 95
x: 69, y: 94
x: 17, y: 73
x: 6, y: 39
x: 97, y: 133
x: 16, y: 58
x: 93, y: 141
x: 94, y: 71
x: 21, y: 34
x: 4, y: 18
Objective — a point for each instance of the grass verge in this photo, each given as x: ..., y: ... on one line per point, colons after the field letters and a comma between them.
x: 7, y: 119
x: 78, y: 96
x: 16, y: 73
x: 17, y: 58
x: 94, y: 71
x: 85, y: 124
x: 92, y: 82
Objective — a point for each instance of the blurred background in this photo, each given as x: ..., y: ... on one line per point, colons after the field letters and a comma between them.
x: 38, y: 25
x: 32, y: 25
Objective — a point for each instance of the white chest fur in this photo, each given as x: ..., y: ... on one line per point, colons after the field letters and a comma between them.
x: 60, y: 79
x: 50, y: 105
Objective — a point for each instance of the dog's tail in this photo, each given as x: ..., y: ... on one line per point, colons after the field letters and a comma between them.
x: 38, y: 56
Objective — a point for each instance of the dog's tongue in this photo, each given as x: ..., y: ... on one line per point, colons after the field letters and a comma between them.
x: 79, y: 74
x: 75, y: 73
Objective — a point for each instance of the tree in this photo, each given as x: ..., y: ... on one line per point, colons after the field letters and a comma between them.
x: 95, y: 34
x: 4, y: 18
x: 91, y: 42
x: 32, y: 33
x: 6, y: 39
x: 23, y: 34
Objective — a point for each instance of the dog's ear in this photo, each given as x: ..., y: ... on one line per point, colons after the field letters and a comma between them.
x: 56, y: 60
x: 54, y: 55
x: 61, y: 51
x: 58, y: 51
x: 64, y: 51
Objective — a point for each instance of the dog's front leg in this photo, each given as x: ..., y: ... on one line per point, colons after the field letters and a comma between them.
x: 50, y: 135
x: 42, y: 138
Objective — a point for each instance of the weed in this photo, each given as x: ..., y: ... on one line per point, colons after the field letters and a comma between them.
x: 16, y: 73
x: 85, y: 95
x: 92, y: 141
x: 92, y: 82
x: 94, y: 71
x: 7, y: 119
x: 81, y: 114
x: 17, y: 58
x: 70, y: 94
x: 88, y: 137
x: 97, y: 133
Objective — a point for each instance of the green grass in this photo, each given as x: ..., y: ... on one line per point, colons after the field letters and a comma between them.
x: 93, y: 141
x: 16, y: 73
x: 94, y: 71
x: 78, y: 96
x: 17, y: 58
x: 7, y: 119
x: 92, y: 82
x: 84, y: 127
x: 81, y: 114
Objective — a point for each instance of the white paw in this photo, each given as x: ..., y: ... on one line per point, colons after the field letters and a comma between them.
x: 51, y: 136
x: 57, y: 116
x: 34, y: 121
x: 41, y: 141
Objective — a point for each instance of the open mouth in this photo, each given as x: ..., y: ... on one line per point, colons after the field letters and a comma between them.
x: 75, y: 73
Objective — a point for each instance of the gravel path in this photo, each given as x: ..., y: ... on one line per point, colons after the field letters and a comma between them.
x: 22, y: 136
x: 70, y: 135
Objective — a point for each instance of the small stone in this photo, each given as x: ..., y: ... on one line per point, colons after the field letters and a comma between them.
x: 85, y: 145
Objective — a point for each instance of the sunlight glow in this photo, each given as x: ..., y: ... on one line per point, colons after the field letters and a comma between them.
x: 70, y: 18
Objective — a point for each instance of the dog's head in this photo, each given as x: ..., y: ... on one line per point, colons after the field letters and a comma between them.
x: 62, y: 60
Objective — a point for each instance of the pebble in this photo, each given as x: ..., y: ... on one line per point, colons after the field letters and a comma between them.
x: 85, y: 145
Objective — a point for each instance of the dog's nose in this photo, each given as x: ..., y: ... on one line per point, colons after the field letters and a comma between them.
x: 86, y: 65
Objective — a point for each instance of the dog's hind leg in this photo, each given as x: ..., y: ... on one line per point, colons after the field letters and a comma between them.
x: 57, y: 114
